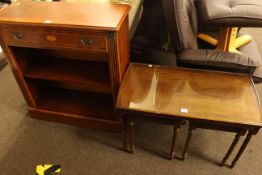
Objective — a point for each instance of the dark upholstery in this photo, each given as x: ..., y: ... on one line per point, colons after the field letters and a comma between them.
x: 215, y: 58
x: 182, y: 23
x: 155, y: 57
x: 151, y: 37
x: 231, y: 13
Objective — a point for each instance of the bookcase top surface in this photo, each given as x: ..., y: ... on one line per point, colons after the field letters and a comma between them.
x: 106, y: 16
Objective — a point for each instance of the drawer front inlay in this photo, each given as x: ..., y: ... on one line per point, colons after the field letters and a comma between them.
x: 26, y: 36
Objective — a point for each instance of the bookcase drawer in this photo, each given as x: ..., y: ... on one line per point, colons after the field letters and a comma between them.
x: 30, y: 37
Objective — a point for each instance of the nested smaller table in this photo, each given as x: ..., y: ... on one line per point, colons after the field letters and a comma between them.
x: 207, y: 99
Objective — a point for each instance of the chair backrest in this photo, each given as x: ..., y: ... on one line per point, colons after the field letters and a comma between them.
x: 181, y: 19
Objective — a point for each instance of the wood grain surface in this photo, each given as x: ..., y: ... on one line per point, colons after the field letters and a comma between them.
x: 106, y: 16
x: 191, y: 94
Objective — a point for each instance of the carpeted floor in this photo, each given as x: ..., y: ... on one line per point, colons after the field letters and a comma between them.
x: 3, y: 61
x: 27, y: 142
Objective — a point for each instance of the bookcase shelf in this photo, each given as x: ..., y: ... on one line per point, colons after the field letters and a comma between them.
x: 84, y: 73
x: 92, y: 105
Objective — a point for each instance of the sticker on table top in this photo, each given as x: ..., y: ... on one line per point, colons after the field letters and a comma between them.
x: 48, y: 21
x: 184, y: 110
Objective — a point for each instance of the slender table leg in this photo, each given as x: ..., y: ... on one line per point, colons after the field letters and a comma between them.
x: 175, y: 133
x: 242, y: 149
x: 132, y: 136
x: 231, y: 148
x: 124, y: 130
x: 189, y: 135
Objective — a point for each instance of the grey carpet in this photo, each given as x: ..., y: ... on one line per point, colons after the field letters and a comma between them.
x: 3, y: 61
x: 27, y: 142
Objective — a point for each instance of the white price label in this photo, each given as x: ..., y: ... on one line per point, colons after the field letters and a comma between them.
x: 184, y: 110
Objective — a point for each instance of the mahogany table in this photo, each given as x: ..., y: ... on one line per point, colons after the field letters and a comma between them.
x: 207, y: 99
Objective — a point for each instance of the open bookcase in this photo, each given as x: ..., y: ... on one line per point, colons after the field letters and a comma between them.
x: 62, y: 84
x: 69, y: 71
x: 74, y: 82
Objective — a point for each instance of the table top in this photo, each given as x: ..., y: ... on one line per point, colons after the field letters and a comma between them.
x: 106, y: 16
x: 190, y: 94
x: 135, y: 6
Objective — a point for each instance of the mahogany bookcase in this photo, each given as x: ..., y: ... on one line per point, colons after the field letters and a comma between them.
x: 68, y: 59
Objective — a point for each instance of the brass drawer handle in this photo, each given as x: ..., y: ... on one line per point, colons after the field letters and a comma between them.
x: 86, y: 41
x: 18, y: 35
